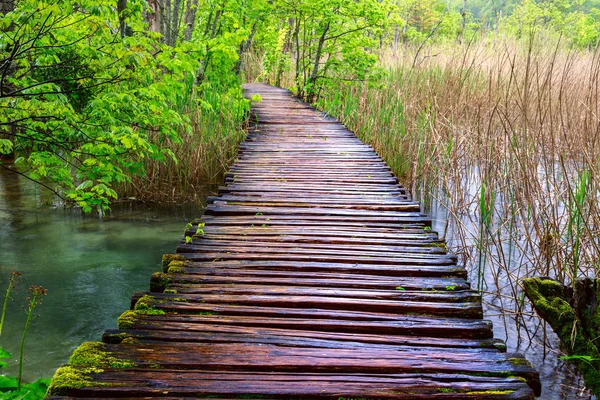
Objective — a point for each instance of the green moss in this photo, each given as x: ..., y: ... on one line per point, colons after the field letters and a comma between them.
x: 146, y: 306
x: 176, y: 267
x: 170, y: 291
x: 168, y: 258
x: 400, y: 288
x: 441, y: 245
x: 500, y: 345
x: 127, y: 320
x: 451, y: 287
x: 116, y: 338
x: 179, y: 299
x: 68, y: 377
x: 472, y: 392
x: 520, y: 361
x: 94, y: 355
x: 553, y: 301
x: 144, y: 303
x: 159, y: 282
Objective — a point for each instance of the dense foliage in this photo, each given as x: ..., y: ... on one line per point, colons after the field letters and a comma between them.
x: 98, y: 97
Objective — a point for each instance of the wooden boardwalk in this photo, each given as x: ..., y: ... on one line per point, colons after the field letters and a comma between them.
x: 312, y: 275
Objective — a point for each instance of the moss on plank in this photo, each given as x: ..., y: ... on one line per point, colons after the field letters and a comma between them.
x: 176, y: 267
x: 67, y: 378
x: 127, y: 320
x: 168, y: 258
x: 94, y: 355
x: 116, y: 338
x: 146, y: 306
x: 159, y: 282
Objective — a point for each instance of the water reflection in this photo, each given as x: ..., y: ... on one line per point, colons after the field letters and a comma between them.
x: 90, y: 266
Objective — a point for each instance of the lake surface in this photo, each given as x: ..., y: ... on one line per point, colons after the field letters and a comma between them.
x: 91, y: 266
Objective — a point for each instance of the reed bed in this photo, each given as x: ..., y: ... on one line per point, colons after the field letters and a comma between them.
x: 504, y: 137
x: 201, y: 157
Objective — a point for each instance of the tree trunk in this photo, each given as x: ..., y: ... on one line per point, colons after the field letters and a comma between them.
x: 168, y: 24
x: 175, y: 23
x: 396, y: 38
x: 121, y: 6
x: 153, y: 16
x: 574, y: 315
x: 312, y: 81
x: 190, y: 19
x: 244, y: 46
x: 6, y: 6
x: 464, y: 21
x: 405, y: 28
x: 212, y: 31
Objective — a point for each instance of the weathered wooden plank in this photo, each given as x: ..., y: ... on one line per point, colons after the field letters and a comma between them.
x: 314, y: 279
x: 400, y: 268
x: 298, y: 386
x: 200, y: 244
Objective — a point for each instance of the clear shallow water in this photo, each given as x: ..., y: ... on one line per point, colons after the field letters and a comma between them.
x: 91, y: 266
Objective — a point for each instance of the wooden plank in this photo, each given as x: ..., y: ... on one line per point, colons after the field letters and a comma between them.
x: 315, y: 279
x: 399, y: 269
x: 206, y: 384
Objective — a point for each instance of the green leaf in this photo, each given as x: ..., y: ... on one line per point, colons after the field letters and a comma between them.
x: 4, y: 353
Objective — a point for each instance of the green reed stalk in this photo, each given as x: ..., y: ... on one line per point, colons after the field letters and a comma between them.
x: 486, y: 210
x: 37, y: 293
x: 14, y: 280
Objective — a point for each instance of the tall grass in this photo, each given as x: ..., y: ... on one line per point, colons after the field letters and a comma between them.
x: 505, y: 138
x: 202, y: 155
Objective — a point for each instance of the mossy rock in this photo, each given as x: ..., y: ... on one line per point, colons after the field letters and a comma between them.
x: 562, y: 308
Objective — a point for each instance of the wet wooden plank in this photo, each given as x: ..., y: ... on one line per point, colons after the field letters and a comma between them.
x: 207, y: 384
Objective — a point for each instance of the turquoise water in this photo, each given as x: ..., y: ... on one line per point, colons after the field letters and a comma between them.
x: 91, y: 266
